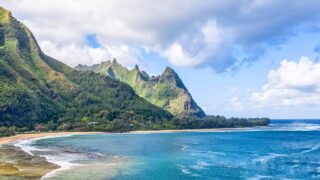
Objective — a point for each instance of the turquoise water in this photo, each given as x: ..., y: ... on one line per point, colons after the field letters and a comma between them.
x: 286, y: 149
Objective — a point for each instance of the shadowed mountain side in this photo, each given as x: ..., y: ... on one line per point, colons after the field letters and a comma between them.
x: 40, y: 93
x: 35, y: 88
x: 166, y: 91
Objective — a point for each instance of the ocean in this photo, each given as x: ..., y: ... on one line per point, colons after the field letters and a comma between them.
x: 287, y: 149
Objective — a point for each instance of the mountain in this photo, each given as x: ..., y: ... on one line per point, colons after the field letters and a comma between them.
x: 38, y: 92
x: 166, y: 91
x: 36, y: 89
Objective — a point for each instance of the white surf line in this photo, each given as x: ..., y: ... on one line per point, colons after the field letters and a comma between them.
x: 25, y: 145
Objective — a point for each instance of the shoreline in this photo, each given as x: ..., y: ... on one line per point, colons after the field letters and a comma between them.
x: 19, y: 137
x: 18, y: 163
x: 188, y: 130
x: 7, y: 144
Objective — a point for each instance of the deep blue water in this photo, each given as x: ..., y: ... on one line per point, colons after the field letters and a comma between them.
x: 286, y: 149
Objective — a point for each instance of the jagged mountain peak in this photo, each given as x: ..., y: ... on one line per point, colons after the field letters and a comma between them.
x: 166, y: 91
x: 168, y: 71
x: 136, y: 67
x: 170, y: 75
x: 114, y: 61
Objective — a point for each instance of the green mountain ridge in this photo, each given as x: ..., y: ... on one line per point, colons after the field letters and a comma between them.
x: 40, y: 93
x: 166, y: 90
x: 35, y: 88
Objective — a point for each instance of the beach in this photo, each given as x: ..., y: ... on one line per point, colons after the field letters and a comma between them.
x: 180, y: 154
x: 17, y: 164
x: 18, y: 137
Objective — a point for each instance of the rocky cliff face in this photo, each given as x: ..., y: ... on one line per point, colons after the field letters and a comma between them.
x: 166, y: 91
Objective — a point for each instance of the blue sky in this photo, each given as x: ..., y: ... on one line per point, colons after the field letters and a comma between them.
x: 214, y: 91
x: 259, y: 60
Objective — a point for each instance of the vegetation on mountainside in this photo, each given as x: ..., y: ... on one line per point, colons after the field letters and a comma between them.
x: 7, y: 131
x: 166, y: 91
x: 36, y: 89
x: 217, y: 122
x: 124, y: 124
x: 40, y: 93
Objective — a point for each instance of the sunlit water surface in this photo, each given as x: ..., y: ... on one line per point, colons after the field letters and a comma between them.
x: 285, y: 149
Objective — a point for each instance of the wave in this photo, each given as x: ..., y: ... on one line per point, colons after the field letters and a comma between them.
x: 206, y: 154
x: 65, y: 160
x: 288, y: 127
x: 184, y: 147
x: 71, y: 160
x: 25, y: 145
x: 301, y: 126
x: 187, y: 171
x: 200, y: 165
x: 311, y: 149
x: 267, y: 158
x: 258, y: 177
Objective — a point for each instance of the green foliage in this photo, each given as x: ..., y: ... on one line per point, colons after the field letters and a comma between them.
x: 7, y: 131
x: 166, y: 91
x: 40, y: 93
x: 51, y: 126
x: 184, y: 122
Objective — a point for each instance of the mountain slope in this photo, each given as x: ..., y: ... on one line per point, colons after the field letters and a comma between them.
x: 166, y: 91
x: 35, y: 88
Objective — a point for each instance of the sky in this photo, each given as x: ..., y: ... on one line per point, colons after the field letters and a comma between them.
x: 239, y: 58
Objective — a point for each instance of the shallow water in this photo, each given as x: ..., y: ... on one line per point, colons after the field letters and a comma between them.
x: 286, y: 149
x: 15, y: 164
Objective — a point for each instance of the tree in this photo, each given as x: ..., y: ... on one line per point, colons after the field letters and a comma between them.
x: 40, y: 127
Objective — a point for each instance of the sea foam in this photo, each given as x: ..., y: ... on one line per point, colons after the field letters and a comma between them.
x: 64, y: 160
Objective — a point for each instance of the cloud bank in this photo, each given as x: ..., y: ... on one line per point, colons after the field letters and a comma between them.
x: 293, y: 83
x: 220, y: 34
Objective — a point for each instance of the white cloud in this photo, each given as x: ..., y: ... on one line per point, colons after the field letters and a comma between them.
x: 293, y: 83
x: 198, y: 47
x: 219, y: 34
x: 73, y: 54
x: 236, y: 103
x: 177, y: 55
